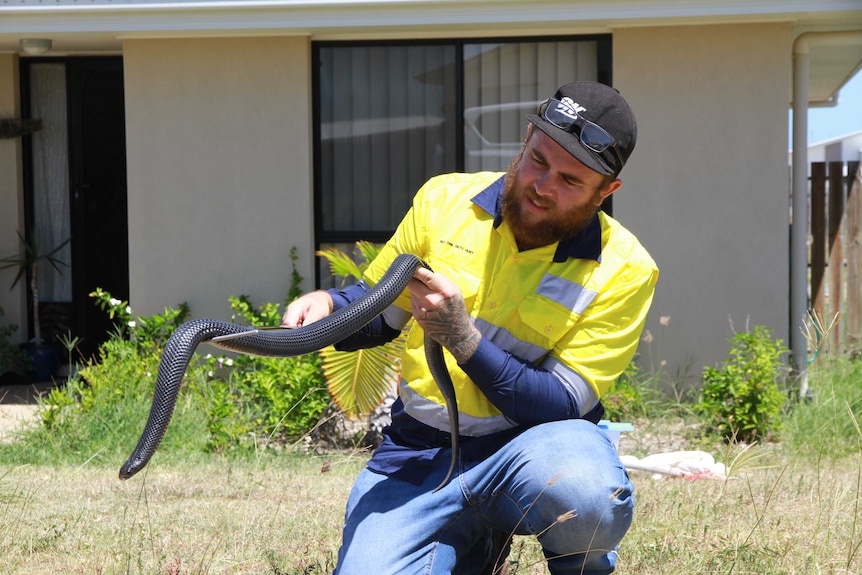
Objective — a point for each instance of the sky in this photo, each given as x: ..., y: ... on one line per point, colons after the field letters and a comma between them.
x: 845, y: 118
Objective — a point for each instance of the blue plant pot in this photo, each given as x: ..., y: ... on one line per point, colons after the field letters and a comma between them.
x: 44, y: 360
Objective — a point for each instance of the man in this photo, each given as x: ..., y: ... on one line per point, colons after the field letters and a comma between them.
x: 538, y: 299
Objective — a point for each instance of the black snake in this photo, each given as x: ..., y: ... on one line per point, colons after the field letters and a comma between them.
x: 284, y: 343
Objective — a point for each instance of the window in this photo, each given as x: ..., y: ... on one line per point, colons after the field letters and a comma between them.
x: 389, y: 115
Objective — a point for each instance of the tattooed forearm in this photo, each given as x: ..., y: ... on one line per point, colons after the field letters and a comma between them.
x: 451, y: 326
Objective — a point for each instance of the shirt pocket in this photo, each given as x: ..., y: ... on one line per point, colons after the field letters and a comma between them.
x: 547, y: 322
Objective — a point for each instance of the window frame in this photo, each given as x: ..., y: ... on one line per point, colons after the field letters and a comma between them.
x: 604, y: 73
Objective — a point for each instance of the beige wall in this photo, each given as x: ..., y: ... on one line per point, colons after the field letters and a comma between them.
x: 219, y: 170
x: 11, y: 210
x: 706, y: 189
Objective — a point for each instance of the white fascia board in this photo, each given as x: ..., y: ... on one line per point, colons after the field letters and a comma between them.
x: 655, y: 8
x: 29, y: 16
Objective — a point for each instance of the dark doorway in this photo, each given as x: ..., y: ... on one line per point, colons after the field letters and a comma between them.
x: 95, y: 184
x: 97, y: 174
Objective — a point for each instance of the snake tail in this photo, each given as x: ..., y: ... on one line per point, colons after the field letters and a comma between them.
x: 437, y: 365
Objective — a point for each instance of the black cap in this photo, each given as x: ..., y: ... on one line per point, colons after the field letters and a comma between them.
x: 603, y: 106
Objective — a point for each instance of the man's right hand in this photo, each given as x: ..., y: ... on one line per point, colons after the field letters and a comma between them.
x: 307, y: 309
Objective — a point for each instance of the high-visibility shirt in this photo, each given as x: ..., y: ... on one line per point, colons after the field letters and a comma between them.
x: 573, y: 310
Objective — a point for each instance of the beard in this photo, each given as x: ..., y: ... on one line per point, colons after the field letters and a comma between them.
x: 531, y: 232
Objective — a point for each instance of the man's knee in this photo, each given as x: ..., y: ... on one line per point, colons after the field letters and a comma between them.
x: 592, y: 523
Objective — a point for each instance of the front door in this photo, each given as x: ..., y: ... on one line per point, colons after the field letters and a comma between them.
x: 77, y: 188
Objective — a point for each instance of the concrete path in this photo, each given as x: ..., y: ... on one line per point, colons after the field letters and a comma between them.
x: 18, y: 407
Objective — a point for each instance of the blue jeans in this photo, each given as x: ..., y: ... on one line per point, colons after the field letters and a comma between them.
x: 561, y: 482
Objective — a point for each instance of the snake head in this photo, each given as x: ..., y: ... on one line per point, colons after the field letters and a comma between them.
x: 131, y: 467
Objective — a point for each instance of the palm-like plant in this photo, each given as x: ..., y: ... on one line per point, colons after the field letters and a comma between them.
x: 29, y: 262
x: 359, y: 381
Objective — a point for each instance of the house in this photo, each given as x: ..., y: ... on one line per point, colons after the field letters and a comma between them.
x: 187, y: 146
x: 846, y: 148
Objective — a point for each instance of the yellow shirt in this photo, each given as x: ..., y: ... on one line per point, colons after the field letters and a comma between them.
x: 575, y: 308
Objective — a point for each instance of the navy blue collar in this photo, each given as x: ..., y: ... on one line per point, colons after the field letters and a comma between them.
x: 586, y: 245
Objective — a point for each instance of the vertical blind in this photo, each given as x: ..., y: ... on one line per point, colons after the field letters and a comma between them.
x: 391, y: 116
x: 503, y: 82
x: 386, y: 121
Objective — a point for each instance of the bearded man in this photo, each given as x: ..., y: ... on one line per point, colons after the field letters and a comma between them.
x: 538, y: 298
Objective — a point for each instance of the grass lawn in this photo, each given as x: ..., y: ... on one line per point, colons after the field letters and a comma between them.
x: 281, y: 515
x: 277, y: 518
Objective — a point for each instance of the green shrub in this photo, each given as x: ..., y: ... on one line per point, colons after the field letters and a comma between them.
x: 252, y: 401
x: 284, y: 397
x: 277, y: 398
x: 224, y: 404
x: 147, y: 334
x: 101, y: 410
x: 743, y: 399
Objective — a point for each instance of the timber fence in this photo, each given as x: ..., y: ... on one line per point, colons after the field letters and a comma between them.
x: 836, y: 252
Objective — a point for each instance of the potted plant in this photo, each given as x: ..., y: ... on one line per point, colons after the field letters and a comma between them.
x: 45, y: 358
x: 12, y: 359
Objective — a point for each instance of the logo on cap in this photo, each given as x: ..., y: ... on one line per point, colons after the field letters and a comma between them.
x: 570, y: 108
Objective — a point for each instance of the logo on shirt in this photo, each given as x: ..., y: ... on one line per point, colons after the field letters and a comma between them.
x: 458, y: 247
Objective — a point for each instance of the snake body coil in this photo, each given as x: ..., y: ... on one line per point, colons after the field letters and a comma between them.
x: 283, y: 343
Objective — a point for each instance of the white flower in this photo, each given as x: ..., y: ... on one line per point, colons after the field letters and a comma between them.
x: 115, y: 302
x: 132, y: 323
x: 229, y: 361
x: 128, y: 309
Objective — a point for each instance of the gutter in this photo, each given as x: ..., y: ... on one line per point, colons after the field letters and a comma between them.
x: 799, y: 192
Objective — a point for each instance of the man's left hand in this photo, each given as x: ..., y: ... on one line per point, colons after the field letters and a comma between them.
x: 438, y: 306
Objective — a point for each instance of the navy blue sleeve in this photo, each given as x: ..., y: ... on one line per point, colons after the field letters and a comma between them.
x: 523, y: 392
x: 375, y: 333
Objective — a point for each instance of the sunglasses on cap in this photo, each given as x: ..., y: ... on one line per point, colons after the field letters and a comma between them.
x: 564, y: 116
